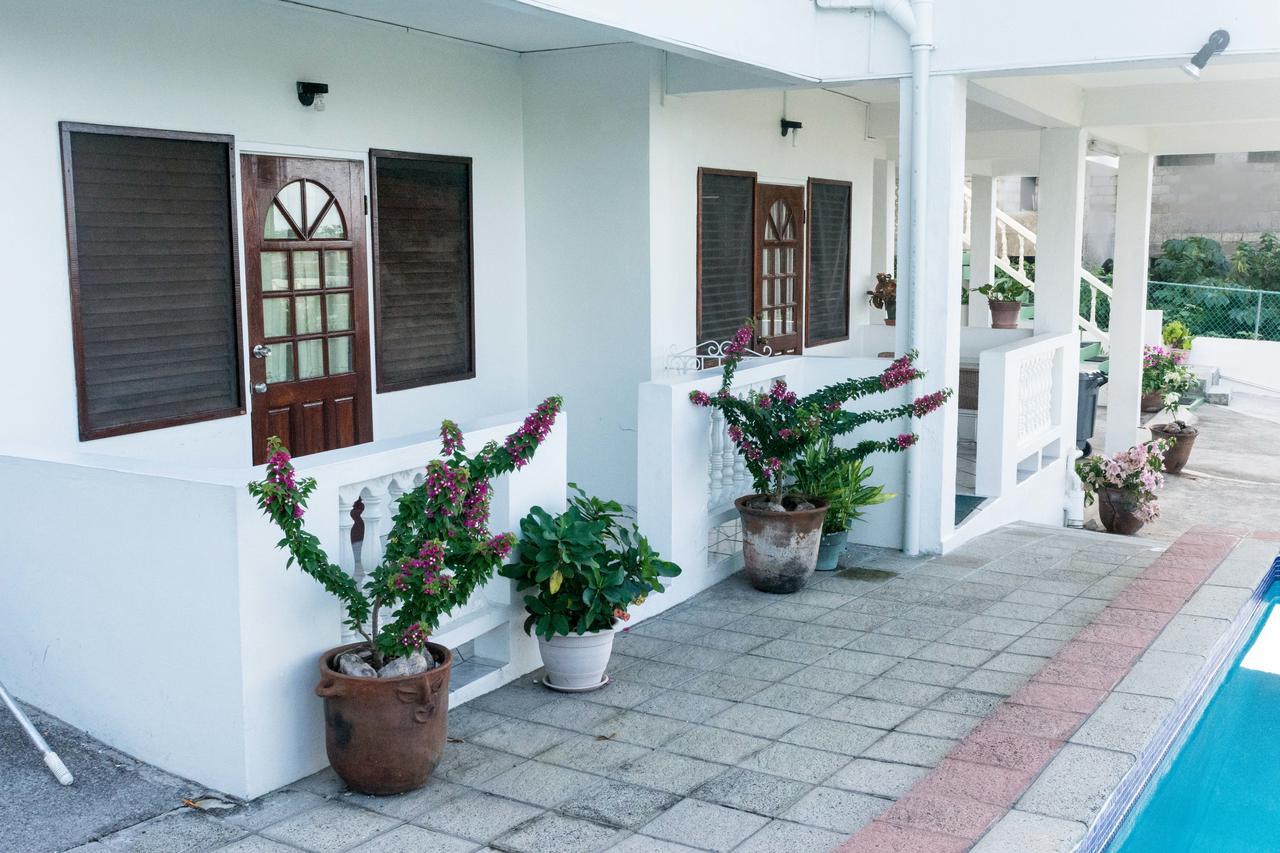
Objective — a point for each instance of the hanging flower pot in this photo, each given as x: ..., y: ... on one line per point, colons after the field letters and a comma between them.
x: 1181, y: 438
x: 780, y: 544
x: 1118, y: 510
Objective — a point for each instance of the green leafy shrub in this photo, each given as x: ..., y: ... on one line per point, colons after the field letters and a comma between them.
x: 1257, y: 265
x: 841, y: 482
x: 585, y: 567
x: 1176, y: 335
x: 1004, y: 289
x: 1190, y: 260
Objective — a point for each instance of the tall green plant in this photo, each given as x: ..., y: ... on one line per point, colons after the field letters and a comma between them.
x: 1257, y: 265
x: 841, y: 482
x: 1190, y: 260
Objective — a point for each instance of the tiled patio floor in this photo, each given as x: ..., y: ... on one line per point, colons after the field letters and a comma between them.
x: 736, y: 721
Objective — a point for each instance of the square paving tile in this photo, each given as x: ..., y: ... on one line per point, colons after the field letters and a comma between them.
x: 1164, y: 674
x: 713, y: 744
x: 520, y: 737
x: 909, y: 749
x: 781, y: 836
x: 757, y: 720
x: 833, y: 736
x: 705, y: 825
x: 792, y: 697
x: 1076, y: 783
x: 838, y: 681
x: 330, y: 827
x: 1124, y: 722
x: 538, y: 783
x: 722, y: 685
x: 248, y: 844
x: 618, y: 803
x: 478, y: 816
x: 666, y: 771
x: 879, y: 778
x: 939, y: 724
x: 1020, y: 832
x: 266, y: 810
x: 831, y: 808
x: 637, y: 727
x: 186, y: 830
x: 417, y: 839
x: 796, y: 762
x: 869, y: 712
x: 901, y: 692
x: 752, y: 791
x: 559, y: 833
x: 690, y: 707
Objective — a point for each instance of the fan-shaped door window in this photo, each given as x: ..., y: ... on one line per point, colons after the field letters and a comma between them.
x: 304, y: 210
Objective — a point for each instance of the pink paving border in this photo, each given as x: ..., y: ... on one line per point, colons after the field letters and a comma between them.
x: 986, y: 772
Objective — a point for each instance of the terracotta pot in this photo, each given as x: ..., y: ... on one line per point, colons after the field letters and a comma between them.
x: 384, y: 735
x: 829, y: 550
x: 1153, y: 402
x: 1004, y: 313
x: 576, y: 661
x: 1175, y: 458
x: 1118, y: 511
x: 780, y: 549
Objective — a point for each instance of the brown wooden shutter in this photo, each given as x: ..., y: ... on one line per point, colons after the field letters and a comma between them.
x: 153, y: 277
x: 726, y: 252
x: 830, y: 205
x: 422, y: 269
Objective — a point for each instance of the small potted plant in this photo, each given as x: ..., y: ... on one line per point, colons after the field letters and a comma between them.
x: 1177, y: 337
x: 386, y: 698
x: 1004, y: 298
x: 1178, y: 435
x: 773, y: 430
x: 885, y: 297
x: 1125, y: 486
x: 835, y: 475
x: 1164, y: 379
x: 583, y: 568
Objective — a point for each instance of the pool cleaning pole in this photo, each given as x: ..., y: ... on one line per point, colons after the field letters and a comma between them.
x: 51, y: 759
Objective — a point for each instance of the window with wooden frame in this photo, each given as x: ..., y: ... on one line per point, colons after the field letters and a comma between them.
x: 422, y: 269
x: 726, y: 252
x: 154, y: 301
x: 827, y: 299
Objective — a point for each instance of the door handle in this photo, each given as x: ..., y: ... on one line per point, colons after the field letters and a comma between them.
x: 261, y: 351
x: 259, y: 387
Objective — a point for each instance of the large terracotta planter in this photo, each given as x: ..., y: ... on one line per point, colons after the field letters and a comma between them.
x: 780, y: 549
x: 1118, y: 511
x: 1004, y: 313
x: 1175, y: 458
x: 384, y: 735
x: 1153, y: 402
x: 576, y: 662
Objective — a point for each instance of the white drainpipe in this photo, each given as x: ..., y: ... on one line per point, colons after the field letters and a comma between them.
x: 915, y: 17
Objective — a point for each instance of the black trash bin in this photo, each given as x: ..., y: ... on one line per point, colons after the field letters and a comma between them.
x: 1087, y: 408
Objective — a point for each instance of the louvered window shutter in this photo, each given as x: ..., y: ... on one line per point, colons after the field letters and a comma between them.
x: 422, y: 269
x: 726, y: 251
x: 153, y: 278
x: 828, y: 300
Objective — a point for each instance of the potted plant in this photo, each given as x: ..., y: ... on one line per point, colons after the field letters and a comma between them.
x: 1124, y: 486
x: 773, y: 430
x: 885, y: 297
x: 1178, y: 435
x: 1164, y: 379
x: 833, y: 475
x: 583, y: 568
x: 1005, y: 300
x: 1177, y: 337
x: 386, y: 698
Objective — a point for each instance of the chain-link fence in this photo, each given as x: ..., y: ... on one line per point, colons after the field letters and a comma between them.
x: 1218, y: 312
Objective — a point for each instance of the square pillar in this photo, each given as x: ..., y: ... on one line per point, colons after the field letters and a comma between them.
x: 902, y: 239
x: 1060, y: 229
x: 884, y: 206
x: 940, y: 284
x: 1129, y: 301
x: 982, y: 245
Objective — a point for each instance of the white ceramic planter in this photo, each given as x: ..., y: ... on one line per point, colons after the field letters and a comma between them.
x: 576, y: 661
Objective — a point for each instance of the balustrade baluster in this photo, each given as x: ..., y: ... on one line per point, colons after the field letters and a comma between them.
x: 346, y: 554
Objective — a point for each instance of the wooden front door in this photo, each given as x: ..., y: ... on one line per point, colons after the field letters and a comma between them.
x: 780, y: 267
x: 308, y: 297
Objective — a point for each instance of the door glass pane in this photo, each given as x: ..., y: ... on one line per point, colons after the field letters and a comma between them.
x: 308, y: 318
x: 330, y: 225
x: 290, y: 198
x: 310, y: 358
x: 275, y: 317
x: 766, y: 329
x: 791, y: 320
x: 317, y: 198
x: 339, y: 355
x: 277, y: 227
x: 337, y: 269
x: 280, y: 363
x: 306, y: 270
x: 339, y: 311
x: 275, y: 271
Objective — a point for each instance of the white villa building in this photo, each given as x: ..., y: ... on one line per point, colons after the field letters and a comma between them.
x: 502, y: 200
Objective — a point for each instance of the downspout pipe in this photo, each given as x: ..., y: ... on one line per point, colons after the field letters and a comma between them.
x: 915, y: 18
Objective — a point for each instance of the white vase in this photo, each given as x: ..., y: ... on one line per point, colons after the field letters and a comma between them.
x: 576, y: 661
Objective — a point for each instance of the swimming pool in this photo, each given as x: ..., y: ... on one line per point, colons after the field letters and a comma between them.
x: 1210, y: 778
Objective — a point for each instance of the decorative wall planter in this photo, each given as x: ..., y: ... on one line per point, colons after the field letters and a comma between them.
x: 1153, y: 402
x: 780, y: 549
x: 576, y: 663
x: 830, y: 548
x: 1118, y: 511
x: 1004, y: 313
x: 1181, y: 441
x: 385, y: 735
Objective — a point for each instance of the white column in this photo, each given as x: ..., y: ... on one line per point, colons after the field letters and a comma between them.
x: 1060, y: 229
x: 939, y: 344
x: 1128, y: 305
x: 884, y: 233
x: 902, y: 239
x: 982, y: 246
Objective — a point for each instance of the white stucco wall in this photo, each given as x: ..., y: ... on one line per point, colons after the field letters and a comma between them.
x: 231, y: 68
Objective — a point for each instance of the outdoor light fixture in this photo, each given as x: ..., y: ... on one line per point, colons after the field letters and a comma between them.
x: 788, y: 125
x: 1217, y: 43
x: 312, y: 94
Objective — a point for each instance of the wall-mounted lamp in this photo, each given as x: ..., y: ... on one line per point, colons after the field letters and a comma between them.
x: 312, y: 94
x: 1217, y: 43
x: 788, y: 125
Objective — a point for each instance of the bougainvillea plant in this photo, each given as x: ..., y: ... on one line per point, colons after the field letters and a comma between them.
x: 439, y: 549
x: 773, y: 429
x: 1136, y: 472
x: 1164, y: 372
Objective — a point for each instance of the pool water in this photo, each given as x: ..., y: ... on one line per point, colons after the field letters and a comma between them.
x: 1219, y: 788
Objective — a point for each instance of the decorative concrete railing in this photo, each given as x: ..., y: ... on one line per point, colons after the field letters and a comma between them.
x: 1026, y: 411
x: 690, y: 472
